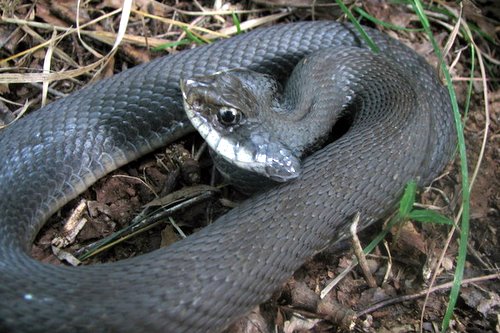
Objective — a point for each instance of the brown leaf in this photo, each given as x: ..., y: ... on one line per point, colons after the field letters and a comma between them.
x: 409, y: 239
x: 386, y: 12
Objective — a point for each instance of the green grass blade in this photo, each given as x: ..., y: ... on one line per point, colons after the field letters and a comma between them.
x: 171, y: 44
x: 429, y: 216
x: 364, y: 35
x: 408, y: 199
x: 387, y: 25
x: 236, y: 22
x: 464, y: 231
x: 192, y: 37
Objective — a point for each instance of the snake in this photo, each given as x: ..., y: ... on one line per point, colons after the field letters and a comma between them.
x: 207, y: 280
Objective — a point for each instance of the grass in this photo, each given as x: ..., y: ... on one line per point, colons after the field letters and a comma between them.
x: 358, y: 26
x: 464, y: 231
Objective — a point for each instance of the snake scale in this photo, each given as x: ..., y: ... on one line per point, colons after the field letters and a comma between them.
x: 204, y: 282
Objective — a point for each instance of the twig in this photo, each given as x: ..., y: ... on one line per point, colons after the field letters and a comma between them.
x: 358, y: 251
x: 422, y: 293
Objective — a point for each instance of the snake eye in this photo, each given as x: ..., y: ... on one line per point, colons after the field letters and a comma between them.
x: 228, y: 116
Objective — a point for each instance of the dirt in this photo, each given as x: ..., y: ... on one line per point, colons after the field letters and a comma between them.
x: 402, y: 266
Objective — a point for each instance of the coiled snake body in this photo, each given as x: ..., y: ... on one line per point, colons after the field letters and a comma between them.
x: 204, y: 282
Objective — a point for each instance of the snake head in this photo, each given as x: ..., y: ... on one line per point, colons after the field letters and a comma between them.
x: 224, y: 108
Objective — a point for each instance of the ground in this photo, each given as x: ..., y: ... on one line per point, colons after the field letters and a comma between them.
x: 403, y: 266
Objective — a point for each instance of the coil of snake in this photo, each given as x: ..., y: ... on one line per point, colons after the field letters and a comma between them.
x: 202, y: 283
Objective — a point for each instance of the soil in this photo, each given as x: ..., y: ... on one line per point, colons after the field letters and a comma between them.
x: 402, y: 266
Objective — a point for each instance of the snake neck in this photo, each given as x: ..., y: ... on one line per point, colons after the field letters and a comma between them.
x: 250, y: 121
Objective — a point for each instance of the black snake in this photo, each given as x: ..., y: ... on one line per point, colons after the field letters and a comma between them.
x: 204, y: 282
